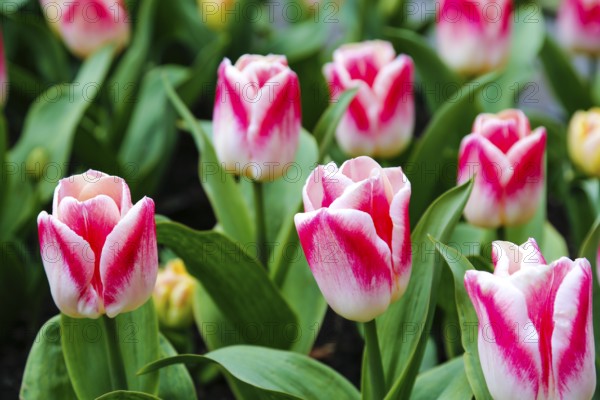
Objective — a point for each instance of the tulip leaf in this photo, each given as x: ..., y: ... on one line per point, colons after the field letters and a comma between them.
x: 127, y: 395
x: 298, y: 41
x: 233, y: 214
x: 45, y: 374
x: 568, y: 86
x: 237, y: 283
x: 52, y: 121
x: 3, y: 151
x: 459, y: 265
x: 175, y: 383
x: 589, y: 250
x: 86, y: 339
x: 404, y: 327
x: 276, y: 374
x: 446, y: 381
x: 324, y: 131
x: 552, y: 244
x: 439, y: 83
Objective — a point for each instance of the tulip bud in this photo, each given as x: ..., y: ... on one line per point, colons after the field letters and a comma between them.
x: 380, y: 119
x: 256, y: 119
x: 578, y: 23
x: 216, y: 14
x: 355, y: 234
x: 87, y: 25
x: 536, y: 336
x: 474, y: 37
x: 507, y: 160
x: 173, y: 295
x: 584, y: 141
x: 98, y: 249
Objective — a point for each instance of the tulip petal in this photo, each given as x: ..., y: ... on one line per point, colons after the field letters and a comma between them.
x: 128, y: 265
x: 350, y: 263
x: 323, y: 186
x: 507, y: 340
x: 69, y: 265
x: 573, y: 337
x: 509, y: 258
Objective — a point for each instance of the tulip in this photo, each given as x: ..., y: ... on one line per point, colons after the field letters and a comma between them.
x: 98, y: 249
x: 217, y: 14
x: 355, y: 233
x: 173, y: 295
x: 87, y: 25
x: 507, y: 160
x: 256, y: 119
x: 536, y: 337
x: 584, y: 141
x: 474, y: 37
x: 380, y: 119
x: 578, y: 23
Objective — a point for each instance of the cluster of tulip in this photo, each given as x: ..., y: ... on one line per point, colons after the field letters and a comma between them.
x: 535, y: 336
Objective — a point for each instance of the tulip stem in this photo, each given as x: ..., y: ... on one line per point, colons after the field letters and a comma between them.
x: 261, y: 230
x: 377, y: 379
x: 115, y: 359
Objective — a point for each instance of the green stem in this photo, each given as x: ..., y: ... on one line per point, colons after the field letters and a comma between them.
x: 115, y: 359
x: 261, y: 231
x: 376, y: 376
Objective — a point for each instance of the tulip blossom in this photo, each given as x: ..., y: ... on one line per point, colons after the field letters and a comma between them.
x: 473, y: 37
x: 380, y: 119
x: 507, y: 160
x: 578, y: 24
x: 173, y: 295
x: 355, y: 234
x: 256, y: 119
x: 584, y: 141
x: 98, y: 249
x: 536, y: 337
x: 87, y: 25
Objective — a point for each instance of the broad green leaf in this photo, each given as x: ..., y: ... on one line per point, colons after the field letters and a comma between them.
x: 403, y: 328
x: 432, y: 384
x: 127, y: 395
x: 175, y: 383
x: 568, y: 86
x: 279, y: 374
x: 439, y: 82
x: 459, y: 265
x: 150, y: 137
x: 232, y: 215
x: 11, y: 6
x: 213, y: 326
x: 298, y: 41
x: 589, y: 250
x: 237, y: 283
x: 52, y: 121
x: 45, y: 374
x: 87, y: 339
x: 553, y: 245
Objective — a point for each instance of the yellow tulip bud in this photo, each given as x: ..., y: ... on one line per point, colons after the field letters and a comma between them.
x: 217, y: 14
x: 173, y: 295
x: 584, y: 141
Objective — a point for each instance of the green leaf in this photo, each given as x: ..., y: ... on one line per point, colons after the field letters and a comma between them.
x: 237, y: 283
x: 127, y: 395
x: 3, y: 151
x: 45, y: 373
x: 298, y: 41
x: 569, y: 88
x: 553, y: 245
x: 459, y: 265
x: 278, y: 374
x: 86, y: 339
x: 447, y: 381
x: 324, y: 131
x: 233, y: 214
x: 439, y: 82
x: 52, y: 121
x: 175, y: 383
x: 403, y: 328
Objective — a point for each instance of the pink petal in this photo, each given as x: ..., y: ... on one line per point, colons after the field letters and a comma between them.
x: 129, y: 261
x: 350, y: 263
x: 401, y: 244
x: 69, y: 265
x: 359, y: 168
x: 509, y: 258
x: 247, y: 59
x: 323, y: 186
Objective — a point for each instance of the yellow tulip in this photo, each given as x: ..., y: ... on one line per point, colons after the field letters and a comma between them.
x: 173, y: 295
x: 584, y: 141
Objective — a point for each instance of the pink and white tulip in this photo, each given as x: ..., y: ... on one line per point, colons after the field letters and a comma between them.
x: 98, y: 249
x: 536, y: 338
x: 578, y: 24
x: 473, y: 37
x: 379, y: 121
x: 87, y: 25
x: 507, y: 160
x: 355, y: 233
x: 257, y: 118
